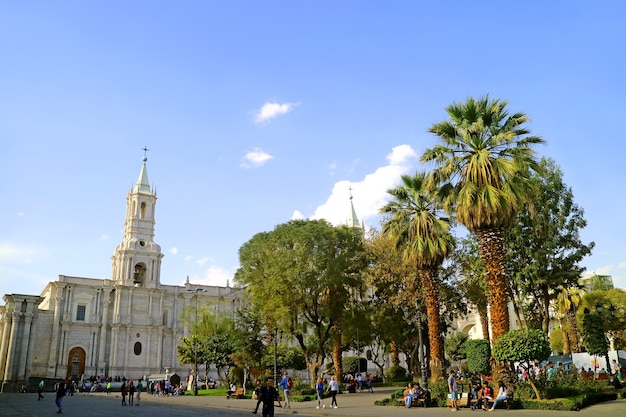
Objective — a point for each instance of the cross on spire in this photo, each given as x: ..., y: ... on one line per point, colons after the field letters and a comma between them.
x: 145, y: 150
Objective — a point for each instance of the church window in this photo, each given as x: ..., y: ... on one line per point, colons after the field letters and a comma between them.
x: 80, y: 312
x: 142, y: 214
x: 137, y: 348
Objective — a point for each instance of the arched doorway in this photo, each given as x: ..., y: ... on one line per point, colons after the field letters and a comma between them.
x: 76, y: 364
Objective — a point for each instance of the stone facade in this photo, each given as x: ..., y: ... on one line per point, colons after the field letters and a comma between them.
x: 127, y: 325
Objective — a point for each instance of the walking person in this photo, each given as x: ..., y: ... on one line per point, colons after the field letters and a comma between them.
x: 453, y: 389
x: 131, y: 392
x: 139, y: 389
x: 319, y: 389
x: 269, y: 394
x: 333, y: 387
x: 285, y: 384
x: 61, y: 391
x: 124, y: 392
x: 108, y: 387
x: 257, y: 392
x: 40, y: 389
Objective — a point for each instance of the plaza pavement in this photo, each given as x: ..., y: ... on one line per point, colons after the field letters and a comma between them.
x: 350, y: 405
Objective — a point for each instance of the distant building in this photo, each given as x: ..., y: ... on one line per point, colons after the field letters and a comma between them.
x: 596, y: 282
x: 127, y: 325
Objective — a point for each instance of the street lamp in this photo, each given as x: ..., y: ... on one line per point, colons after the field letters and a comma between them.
x: 195, y: 343
x: 413, y: 318
x: 275, y: 355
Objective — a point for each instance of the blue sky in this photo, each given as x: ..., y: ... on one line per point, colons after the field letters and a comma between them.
x: 256, y: 112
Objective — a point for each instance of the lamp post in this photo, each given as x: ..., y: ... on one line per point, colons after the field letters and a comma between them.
x: 422, y: 352
x: 195, y: 343
x: 275, y: 355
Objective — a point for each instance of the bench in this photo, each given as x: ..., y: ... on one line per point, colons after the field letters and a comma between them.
x: 414, y: 402
x: 239, y: 393
x: 463, y: 401
x: 473, y: 401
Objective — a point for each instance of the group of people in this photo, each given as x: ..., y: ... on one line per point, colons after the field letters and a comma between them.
x: 483, y: 395
x: 267, y: 394
x: 132, y: 391
x: 413, y: 393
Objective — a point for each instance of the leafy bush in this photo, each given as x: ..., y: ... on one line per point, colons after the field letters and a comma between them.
x: 396, y: 374
x: 478, y: 352
x: 454, y: 346
x: 354, y: 364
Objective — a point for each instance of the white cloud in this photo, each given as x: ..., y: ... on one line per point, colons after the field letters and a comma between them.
x: 370, y: 194
x: 255, y: 158
x: 297, y: 215
x: 202, y: 261
x: 214, y: 275
x: 271, y: 110
x: 174, y: 251
x: 16, y: 254
x: 188, y: 258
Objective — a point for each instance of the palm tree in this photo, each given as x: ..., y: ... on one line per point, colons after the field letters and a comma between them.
x: 425, y: 237
x: 483, y: 168
x: 567, y: 301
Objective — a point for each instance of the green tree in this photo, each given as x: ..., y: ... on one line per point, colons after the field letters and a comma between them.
x: 392, y: 278
x: 478, y: 352
x: 217, y: 350
x: 483, y: 168
x: 525, y: 346
x: 594, y: 338
x: 455, y: 346
x: 545, y: 248
x: 567, y: 302
x: 248, y: 340
x: 420, y: 229
x: 301, y: 276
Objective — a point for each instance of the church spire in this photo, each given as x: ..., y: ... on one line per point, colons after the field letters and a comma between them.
x: 137, y: 260
x: 353, y: 220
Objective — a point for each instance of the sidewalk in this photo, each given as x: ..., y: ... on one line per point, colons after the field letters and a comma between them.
x: 362, y: 405
x: 350, y: 405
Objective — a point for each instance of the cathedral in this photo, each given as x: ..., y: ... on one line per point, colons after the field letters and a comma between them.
x: 127, y: 325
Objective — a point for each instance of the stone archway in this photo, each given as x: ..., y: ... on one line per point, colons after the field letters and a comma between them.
x: 75, y: 363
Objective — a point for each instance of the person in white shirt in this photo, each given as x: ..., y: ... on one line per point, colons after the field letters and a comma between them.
x: 503, y: 393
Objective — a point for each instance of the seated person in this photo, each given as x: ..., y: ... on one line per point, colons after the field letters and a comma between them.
x: 614, y: 382
x: 408, y: 395
x: 485, y: 396
x: 420, y: 392
x: 231, y: 390
x: 503, y: 394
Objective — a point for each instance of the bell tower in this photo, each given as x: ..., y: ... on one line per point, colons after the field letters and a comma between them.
x: 137, y: 260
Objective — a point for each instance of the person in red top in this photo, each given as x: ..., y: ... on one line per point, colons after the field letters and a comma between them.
x: 486, y: 395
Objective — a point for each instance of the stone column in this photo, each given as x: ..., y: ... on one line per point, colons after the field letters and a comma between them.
x: 21, y: 364
x: 8, y: 374
x: 4, y: 341
x: 56, y: 323
x: 101, y: 359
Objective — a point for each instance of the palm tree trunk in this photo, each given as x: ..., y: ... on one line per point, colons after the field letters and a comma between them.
x: 337, y: 351
x: 484, y: 321
x: 492, y: 245
x: 573, y: 331
x: 565, y: 336
x: 394, y: 354
x: 431, y: 299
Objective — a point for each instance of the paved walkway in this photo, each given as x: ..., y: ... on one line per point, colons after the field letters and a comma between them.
x: 350, y: 405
